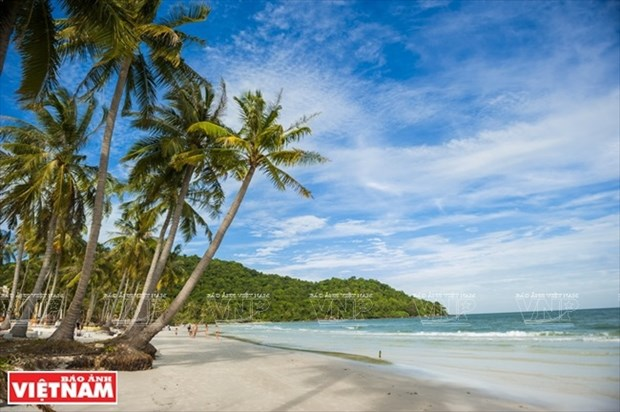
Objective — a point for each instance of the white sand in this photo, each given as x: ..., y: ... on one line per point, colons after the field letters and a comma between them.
x: 206, y: 374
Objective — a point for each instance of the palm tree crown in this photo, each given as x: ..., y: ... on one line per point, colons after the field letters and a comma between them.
x: 262, y: 143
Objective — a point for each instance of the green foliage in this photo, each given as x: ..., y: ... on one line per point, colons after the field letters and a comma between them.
x: 230, y: 291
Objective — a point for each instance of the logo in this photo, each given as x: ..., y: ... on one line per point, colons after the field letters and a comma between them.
x: 62, y: 387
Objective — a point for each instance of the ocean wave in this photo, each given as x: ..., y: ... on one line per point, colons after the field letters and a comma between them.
x: 511, y: 335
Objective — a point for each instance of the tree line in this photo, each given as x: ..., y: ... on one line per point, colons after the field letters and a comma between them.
x: 231, y: 292
x: 49, y: 195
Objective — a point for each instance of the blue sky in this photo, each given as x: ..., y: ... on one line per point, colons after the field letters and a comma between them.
x: 474, y: 146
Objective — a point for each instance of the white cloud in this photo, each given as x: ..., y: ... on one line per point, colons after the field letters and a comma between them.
x: 493, y: 265
x: 481, y: 167
x: 566, y: 150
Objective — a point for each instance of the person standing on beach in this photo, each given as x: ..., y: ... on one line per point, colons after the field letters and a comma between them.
x: 206, y: 329
x: 189, y: 329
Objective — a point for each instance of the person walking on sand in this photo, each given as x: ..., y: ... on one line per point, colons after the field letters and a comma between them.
x: 194, y: 330
x: 189, y: 329
x: 206, y: 329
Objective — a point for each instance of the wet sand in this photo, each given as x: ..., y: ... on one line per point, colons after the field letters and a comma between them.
x: 208, y: 374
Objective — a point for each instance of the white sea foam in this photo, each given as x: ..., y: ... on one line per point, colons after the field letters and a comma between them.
x: 565, y: 366
x: 458, y: 334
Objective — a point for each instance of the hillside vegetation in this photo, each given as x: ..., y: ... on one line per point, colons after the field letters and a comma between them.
x: 231, y: 291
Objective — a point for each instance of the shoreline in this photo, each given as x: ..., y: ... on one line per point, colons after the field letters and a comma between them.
x: 204, y: 373
x: 341, y: 355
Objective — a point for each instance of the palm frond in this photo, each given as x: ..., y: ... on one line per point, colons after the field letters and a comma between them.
x: 165, y: 37
x: 109, y: 18
x: 210, y: 129
x: 147, y: 9
x: 98, y: 76
x: 74, y: 42
x: 36, y: 43
x: 143, y: 86
x: 296, y: 157
x: 283, y: 180
x: 182, y: 14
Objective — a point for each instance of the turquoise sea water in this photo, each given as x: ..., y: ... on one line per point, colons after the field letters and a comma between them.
x: 563, y: 361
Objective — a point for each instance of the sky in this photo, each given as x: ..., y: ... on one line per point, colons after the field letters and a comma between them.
x: 474, y: 146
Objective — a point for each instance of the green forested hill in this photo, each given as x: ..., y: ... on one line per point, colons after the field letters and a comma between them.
x: 231, y: 291
x: 228, y: 290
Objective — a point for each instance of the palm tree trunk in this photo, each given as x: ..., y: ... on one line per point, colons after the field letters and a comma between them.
x: 140, y: 319
x: 67, y: 326
x: 121, y: 313
x: 141, y: 340
x: 63, y: 306
x: 21, y: 327
x: 6, y: 323
x: 44, y: 296
x: 91, y: 305
x: 128, y: 308
x: 112, y: 308
x: 51, y: 294
x: 11, y: 9
x: 25, y: 277
x: 105, y: 311
x: 153, y: 265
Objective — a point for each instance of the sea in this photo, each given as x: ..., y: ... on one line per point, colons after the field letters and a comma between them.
x: 567, y: 361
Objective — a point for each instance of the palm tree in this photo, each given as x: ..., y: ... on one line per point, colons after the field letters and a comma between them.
x: 170, y: 154
x: 44, y: 168
x: 103, y: 279
x: 138, y: 74
x: 29, y: 23
x: 21, y: 240
x: 260, y: 145
x: 133, y: 243
x: 6, y: 248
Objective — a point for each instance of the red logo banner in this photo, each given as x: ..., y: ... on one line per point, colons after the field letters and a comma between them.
x: 62, y: 387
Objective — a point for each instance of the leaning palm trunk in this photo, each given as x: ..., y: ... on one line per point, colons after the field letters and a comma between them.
x: 140, y: 316
x: 6, y: 323
x: 91, y: 306
x: 66, y: 328
x: 141, y: 340
x: 21, y: 327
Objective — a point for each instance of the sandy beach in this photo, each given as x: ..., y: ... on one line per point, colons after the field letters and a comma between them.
x: 207, y: 374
